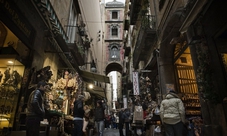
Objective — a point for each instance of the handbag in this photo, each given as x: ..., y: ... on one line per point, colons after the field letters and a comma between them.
x: 157, y: 111
x: 157, y: 129
x: 138, y: 113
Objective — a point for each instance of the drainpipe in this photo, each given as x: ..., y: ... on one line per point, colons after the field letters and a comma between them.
x: 156, y: 18
x: 160, y: 94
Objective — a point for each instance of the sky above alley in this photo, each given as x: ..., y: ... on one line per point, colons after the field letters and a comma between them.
x: 117, y: 0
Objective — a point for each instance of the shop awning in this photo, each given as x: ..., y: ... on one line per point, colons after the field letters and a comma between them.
x: 97, y: 91
x: 89, y: 76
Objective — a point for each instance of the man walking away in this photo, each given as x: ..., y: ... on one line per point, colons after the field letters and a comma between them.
x: 172, y: 113
x: 78, y: 114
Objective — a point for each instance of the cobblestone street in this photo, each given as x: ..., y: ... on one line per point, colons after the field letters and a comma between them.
x: 111, y: 132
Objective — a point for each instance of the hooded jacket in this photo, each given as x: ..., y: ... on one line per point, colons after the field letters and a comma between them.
x: 172, y: 109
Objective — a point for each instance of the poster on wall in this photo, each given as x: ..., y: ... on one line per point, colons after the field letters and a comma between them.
x: 136, y: 90
x: 169, y: 87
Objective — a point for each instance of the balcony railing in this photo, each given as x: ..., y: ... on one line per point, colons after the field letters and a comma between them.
x: 144, y: 39
x: 148, y: 21
x: 51, y: 18
x: 77, y: 50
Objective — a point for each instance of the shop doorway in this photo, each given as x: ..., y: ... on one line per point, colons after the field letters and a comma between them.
x: 12, y: 50
x: 187, y: 84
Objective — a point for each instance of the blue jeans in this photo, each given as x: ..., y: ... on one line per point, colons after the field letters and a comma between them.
x: 174, y: 129
x: 78, y: 126
x: 99, y: 125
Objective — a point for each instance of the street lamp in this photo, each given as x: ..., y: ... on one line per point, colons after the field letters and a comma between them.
x: 93, y: 66
x: 90, y: 86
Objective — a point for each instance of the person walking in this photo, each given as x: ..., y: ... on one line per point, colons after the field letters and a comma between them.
x: 117, y: 121
x: 121, y: 121
x: 86, y: 120
x: 127, y: 114
x: 78, y: 114
x: 99, y: 117
x: 35, y: 107
x: 172, y: 113
x: 114, y: 121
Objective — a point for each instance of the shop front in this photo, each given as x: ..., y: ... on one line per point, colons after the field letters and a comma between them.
x: 16, y: 39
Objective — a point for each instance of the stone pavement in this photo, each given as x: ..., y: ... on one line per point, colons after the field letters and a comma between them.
x: 111, y: 132
x: 115, y: 132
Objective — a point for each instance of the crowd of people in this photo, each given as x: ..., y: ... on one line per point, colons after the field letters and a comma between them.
x: 170, y: 114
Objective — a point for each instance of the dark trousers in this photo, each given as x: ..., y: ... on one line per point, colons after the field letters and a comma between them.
x: 174, y: 129
x: 78, y: 126
x: 127, y: 129
x: 120, y: 127
x: 32, y: 126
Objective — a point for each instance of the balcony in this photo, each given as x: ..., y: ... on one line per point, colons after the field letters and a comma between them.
x: 127, y: 50
x: 145, y: 40
x: 126, y: 47
x: 126, y: 24
x: 48, y: 13
x: 134, y: 11
x: 86, y: 41
x: 77, y: 53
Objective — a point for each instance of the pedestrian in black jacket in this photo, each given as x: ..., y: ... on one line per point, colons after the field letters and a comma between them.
x: 99, y: 117
x: 36, y: 111
x: 121, y: 121
x: 127, y: 114
x: 78, y: 114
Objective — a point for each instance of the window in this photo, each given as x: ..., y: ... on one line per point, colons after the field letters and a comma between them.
x: 114, y: 15
x: 114, y: 32
x: 114, y: 53
x: 71, y: 29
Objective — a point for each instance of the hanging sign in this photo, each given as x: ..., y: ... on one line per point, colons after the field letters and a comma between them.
x: 11, y: 15
x: 125, y: 102
x: 145, y: 71
x: 135, y: 83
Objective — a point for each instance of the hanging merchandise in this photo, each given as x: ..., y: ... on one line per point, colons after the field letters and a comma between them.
x: 87, y: 96
x: 136, y: 83
x: 138, y: 113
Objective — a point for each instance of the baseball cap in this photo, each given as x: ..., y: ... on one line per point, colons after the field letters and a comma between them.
x: 172, y: 91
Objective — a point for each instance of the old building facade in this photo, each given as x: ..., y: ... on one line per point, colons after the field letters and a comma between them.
x: 113, y: 42
x: 57, y: 37
x: 179, y: 44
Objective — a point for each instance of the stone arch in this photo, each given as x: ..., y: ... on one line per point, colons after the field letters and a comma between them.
x: 114, y: 66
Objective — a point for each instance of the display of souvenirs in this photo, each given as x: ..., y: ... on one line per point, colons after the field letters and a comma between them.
x: 192, y: 104
x: 13, y: 78
x: 44, y: 74
x: 63, y: 91
x: 87, y: 96
x: 195, y: 125
x: 7, y: 75
x: 1, y: 75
